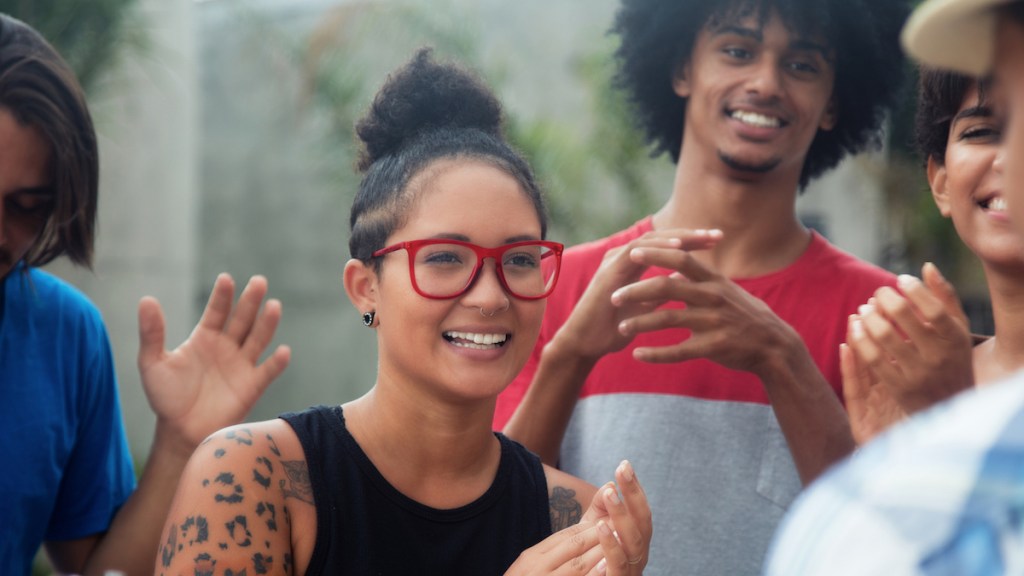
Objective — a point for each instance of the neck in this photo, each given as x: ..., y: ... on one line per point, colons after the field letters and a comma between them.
x: 1005, y: 352
x: 757, y: 215
x: 442, y: 455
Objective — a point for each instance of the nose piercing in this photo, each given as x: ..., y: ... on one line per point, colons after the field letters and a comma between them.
x: 496, y: 310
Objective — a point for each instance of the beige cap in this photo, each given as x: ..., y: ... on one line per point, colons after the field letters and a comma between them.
x: 953, y: 34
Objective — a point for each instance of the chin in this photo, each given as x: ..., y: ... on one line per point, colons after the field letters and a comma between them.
x: 752, y: 166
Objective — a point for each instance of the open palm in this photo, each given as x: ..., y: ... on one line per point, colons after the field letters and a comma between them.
x: 214, y: 378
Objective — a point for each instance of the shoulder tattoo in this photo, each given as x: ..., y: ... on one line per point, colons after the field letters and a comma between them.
x: 565, y: 509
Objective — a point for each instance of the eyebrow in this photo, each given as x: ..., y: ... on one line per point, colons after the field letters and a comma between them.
x: 973, y: 112
x: 464, y: 238
x: 801, y: 45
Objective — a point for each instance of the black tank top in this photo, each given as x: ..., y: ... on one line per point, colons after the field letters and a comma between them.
x: 366, y: 526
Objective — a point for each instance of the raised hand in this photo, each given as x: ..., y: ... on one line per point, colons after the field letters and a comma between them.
x: 624, y: 525
x: 592, y: 330
x: 871, y: 406
x: 727, y: 324
x: 214, y: 378
x: 917, y: 343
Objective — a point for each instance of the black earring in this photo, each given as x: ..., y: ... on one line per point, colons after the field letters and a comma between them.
x: 368, y: 318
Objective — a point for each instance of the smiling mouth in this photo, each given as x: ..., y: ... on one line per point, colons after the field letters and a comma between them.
x: 756, y: 120
x: 476, y: 341
x: 993, y: 204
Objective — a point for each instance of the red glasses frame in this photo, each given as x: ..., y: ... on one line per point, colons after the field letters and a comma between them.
x: 413, y: 246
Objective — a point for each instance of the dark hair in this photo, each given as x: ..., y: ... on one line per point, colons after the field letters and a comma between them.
x: 426, y: 111
x: 40, y: 90
x: 940, y: 94
x: 658, y: 35
x: 1014, y: 11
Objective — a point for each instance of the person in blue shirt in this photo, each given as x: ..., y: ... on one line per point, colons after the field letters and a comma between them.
x: 68, y: 479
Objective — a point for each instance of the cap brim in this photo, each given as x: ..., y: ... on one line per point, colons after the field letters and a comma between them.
x: 953, y: 34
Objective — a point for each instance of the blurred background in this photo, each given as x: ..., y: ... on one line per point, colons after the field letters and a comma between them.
x: 226, y: 145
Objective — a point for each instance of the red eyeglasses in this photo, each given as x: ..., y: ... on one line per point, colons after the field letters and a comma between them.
x: 442, y: 269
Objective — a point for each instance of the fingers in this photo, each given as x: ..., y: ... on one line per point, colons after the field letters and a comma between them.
x: 575, y: 550
x: 273, y: 366
x: 942, y: 290
x: 218, y: 307
x: 888, y: 319
x: 682, y: 238
x: 856, y: 389
x: 615, y: 561
x: 151, y: 332
x: 631, y: 516
x: 856, y: 385
x: 679, y: 260
x: 246, y: 309
x: 619, y: 268
x: 870, y: 353
x: 262, y: 331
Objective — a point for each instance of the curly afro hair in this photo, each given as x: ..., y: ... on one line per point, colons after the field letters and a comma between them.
x: 657, y: 35
x: 426, y: 111
x: 939, y: 96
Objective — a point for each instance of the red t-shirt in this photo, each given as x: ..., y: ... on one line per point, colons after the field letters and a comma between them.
x: 815, y: 295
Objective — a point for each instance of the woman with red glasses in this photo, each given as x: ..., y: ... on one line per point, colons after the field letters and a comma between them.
x: 450, y: 270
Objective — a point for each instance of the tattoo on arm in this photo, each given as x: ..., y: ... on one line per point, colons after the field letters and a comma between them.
x: 297, y: 486
x: 169, y: 547
x: 565, y: 509
x: 238, y: 536
x: 257, y: 475
x: 235, y: 495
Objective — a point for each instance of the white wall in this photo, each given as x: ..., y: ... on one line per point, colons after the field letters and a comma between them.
x: 145, y: 114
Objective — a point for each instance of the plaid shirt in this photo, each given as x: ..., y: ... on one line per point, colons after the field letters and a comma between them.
x: 941, y: 494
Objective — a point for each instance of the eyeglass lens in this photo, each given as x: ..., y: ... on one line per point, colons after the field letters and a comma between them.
x: 446, y: 269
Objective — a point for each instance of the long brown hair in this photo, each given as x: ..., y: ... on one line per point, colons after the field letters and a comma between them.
x: 40, y: 90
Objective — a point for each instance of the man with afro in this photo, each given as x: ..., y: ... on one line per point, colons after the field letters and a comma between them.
x: 702, y: 342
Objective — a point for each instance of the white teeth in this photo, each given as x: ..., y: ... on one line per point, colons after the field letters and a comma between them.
x: 755, y: 119
x: 997, y: 205
x: 476, y: 341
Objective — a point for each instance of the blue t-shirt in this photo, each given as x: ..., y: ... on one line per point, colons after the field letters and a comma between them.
x: 66, y: 466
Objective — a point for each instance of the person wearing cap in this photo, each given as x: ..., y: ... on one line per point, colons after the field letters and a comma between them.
x: 942, y: 493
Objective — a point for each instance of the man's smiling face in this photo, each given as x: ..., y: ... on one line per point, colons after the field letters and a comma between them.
x: 757, y: 94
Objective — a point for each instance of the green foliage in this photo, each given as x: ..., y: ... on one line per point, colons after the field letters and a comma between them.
x: 90, y: 35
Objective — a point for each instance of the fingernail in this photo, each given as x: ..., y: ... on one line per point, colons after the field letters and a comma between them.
x: 627, y: 470
x: 857, y: 328
x: 906, y: 281
x: 612, y: 495
x: 603, y: 528
x: 865, y: 309
x: 602, y: 566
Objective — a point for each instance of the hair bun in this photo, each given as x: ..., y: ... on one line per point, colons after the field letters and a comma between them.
x: 424, y: 96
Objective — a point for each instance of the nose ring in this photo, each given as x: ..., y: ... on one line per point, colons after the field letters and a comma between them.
x: 496, y: 310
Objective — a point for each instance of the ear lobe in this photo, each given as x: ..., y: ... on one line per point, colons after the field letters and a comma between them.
x: 680, y: 80
x: 361, y: 285
x: 937, y: 182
